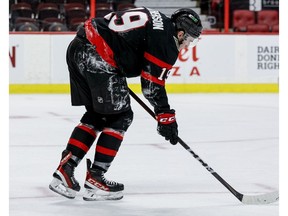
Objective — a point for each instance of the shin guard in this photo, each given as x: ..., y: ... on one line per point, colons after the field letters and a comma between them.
x: 107, y: 147
x: 80, y: 141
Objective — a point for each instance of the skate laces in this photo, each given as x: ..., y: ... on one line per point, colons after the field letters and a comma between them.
x: 70, y: 172
x: 107, y: 182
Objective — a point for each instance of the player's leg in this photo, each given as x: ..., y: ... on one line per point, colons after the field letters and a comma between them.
x: 84, y: 134
x: 108, y: 144
x: 79, y: 143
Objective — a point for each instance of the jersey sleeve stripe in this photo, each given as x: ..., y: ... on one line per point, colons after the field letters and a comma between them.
x: 102, y: 47
x: 157, y: 61
x: 151, y: 78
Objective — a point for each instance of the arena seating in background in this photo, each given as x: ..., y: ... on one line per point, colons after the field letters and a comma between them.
x: 54, y: 1
x: 47, y: 15
x: 74, y: 10
x: 59, y: 3
x: 68, y: 15
x: 102, y: 9
x: 75, y: 23
x: 242, y: 18
x: 56, y: 27
x: 268, y: 17
x: 83, y: 2
x: 47, y: 10
x: 255, y: 21
x: 22, y: 9
x: 257, y: 28
x: 124, y: 6
x: 275, y: 28
x: 53, y: 24
x: 27, y: 26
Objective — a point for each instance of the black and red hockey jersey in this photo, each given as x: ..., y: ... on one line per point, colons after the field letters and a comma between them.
x: 138, y: 42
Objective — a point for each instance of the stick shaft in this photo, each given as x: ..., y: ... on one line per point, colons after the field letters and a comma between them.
x: 238, y: 195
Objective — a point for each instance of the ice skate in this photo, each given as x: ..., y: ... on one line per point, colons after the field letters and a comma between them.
x: 64, y: 182
x: 99, y: 188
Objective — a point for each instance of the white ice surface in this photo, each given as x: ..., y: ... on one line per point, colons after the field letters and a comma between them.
x: 236, y: 134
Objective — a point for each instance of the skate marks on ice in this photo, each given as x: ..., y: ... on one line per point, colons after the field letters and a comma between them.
x: 199, y: 204
x: 159, y: 187
x: 238, y: 138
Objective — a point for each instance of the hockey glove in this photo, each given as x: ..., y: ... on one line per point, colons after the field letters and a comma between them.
x: 167, y: 126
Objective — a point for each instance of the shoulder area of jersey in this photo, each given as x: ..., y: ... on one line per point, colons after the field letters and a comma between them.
x: 157, y: 19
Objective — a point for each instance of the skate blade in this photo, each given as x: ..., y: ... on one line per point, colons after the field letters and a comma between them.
x: 58, y: 187
x: 100, y: 195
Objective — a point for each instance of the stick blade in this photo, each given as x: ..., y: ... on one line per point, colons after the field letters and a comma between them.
x: 261, y: 199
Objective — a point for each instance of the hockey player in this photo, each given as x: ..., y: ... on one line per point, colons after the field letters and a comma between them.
x: 137, y: 42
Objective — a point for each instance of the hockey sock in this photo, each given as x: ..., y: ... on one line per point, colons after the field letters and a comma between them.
x: 107, y: 148
x: 80, y: 142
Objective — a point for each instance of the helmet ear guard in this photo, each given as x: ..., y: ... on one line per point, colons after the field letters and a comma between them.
x: 187, y: 20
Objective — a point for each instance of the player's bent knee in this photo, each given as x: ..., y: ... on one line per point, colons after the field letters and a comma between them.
x: 127, y: 119
x: 94, y: 119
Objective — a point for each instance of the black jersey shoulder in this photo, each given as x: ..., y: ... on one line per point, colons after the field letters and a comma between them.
x: 133, y: 32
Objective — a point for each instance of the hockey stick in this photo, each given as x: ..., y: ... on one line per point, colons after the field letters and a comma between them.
x: 246, y: 199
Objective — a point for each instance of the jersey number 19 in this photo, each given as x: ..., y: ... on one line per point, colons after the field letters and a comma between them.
x: 127, y: 21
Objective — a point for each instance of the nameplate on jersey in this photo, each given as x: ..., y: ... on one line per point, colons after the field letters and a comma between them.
x: 157, y: 20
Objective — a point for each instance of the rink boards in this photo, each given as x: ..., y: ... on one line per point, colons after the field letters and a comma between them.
x: 219, y: 63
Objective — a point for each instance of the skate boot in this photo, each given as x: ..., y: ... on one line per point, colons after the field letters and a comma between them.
x: 64, y: 182
x: 99, y: 188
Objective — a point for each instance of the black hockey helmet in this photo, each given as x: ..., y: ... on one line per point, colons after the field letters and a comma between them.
x: 187, y: 20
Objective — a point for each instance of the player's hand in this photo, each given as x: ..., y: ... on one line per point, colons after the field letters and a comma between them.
x: 167, y: 126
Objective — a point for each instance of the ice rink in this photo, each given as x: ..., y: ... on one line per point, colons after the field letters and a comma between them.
x: 236, y: 134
